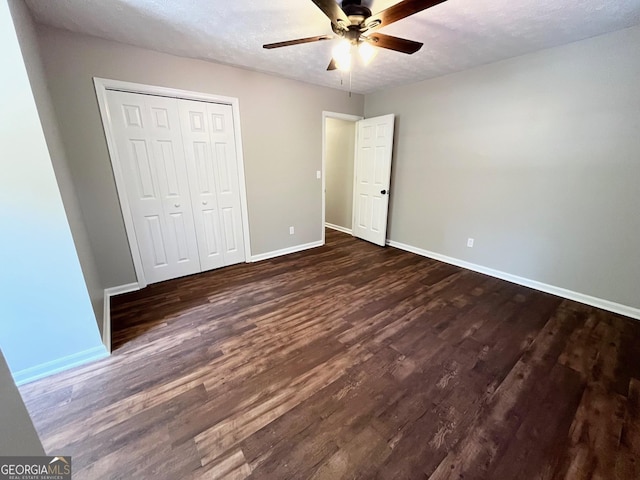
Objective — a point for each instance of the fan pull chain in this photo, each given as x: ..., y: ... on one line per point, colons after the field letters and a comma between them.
x: 349, y: 83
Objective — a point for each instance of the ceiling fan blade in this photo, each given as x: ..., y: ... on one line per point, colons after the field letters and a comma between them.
x: 398, y: 12
x: 332, y: 10
x: 298, y: 41
x: 393, y: 43
x: 332, y: 65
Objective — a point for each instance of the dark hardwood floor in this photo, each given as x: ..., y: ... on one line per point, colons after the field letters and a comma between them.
x: 350, y: 361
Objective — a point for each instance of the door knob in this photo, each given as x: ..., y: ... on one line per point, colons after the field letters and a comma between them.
x: 177, y: 205
x: 383, y: 192
x: 204, y: 202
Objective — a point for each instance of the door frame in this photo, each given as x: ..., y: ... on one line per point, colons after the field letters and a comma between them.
x: 101, y: 86
x: 339, y: 116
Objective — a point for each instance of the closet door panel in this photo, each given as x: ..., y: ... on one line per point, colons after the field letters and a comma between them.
x: 150, y: 150
x: 201, y: 172
x: 227, y: 180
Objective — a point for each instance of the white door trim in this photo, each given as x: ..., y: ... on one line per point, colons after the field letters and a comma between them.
x: 104, y: 84
x: 325, y: 115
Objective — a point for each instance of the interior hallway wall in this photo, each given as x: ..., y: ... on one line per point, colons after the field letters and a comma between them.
x: 340, y: 149
x: 18, y: 436
x: 27, y: 37
x: 47, y: 321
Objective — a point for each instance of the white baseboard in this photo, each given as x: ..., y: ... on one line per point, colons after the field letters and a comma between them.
x: 49, y: 368
x: 106, y: 317
x: 338, y: 228
x: 543, y: 287
x: 285, y: 251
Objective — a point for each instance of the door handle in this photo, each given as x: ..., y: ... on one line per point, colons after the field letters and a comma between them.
x: 177, y: 205
x: 383, y: 192
x: 204, y: 202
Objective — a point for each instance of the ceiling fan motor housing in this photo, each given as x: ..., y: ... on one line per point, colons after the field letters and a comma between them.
x: 357, y: 14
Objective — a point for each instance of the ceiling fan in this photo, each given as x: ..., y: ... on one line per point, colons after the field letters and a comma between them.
x: 356, y: 26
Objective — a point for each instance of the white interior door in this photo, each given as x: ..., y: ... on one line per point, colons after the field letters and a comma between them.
x: 151, y: 153
x: 372, y: 178
x: 207, y: 129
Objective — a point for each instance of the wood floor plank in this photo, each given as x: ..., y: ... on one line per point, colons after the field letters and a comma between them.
x: 350, y: 361
x: 631, y: 431
x: 318, y: 427
x: 500, y: 417
x: 540, y: 426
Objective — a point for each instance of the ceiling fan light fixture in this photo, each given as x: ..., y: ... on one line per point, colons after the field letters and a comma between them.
x: 366, y: 51
x: 342, y: 55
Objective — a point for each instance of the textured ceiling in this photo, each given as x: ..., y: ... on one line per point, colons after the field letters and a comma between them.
x: 458, y: 34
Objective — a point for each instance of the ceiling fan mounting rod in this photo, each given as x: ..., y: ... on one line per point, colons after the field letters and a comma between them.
x: 355, y: 8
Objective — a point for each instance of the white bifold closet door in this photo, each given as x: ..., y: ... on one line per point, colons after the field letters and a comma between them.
x: 180, y: 170
x: 207, y: 129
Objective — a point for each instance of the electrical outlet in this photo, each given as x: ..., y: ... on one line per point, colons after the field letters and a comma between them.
x: 292, y: 230
x: 470, y: 242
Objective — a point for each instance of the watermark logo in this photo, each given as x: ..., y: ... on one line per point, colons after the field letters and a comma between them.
x: 35, y: 468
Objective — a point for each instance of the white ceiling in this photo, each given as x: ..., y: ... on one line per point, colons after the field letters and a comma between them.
x: 458, y: 34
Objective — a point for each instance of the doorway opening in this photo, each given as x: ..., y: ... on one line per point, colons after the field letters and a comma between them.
x: 356, y: 163
x: 338, y: 157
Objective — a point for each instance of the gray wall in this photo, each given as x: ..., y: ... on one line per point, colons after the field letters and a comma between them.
x: 27, y: 37
x: 46, y: 319
x: 537, y: 158
x: 281, y: 123
x: 17, y: 434
x: 340, y: 137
